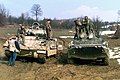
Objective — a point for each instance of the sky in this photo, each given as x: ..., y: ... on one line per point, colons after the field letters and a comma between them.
x: 106, y: 10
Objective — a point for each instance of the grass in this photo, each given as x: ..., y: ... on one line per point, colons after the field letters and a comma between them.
x: 1, y: 44
x: 62, y: 32
x: 4, y: 32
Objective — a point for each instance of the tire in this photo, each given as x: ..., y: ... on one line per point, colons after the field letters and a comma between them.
x: 103, y: 62
x: 106, y: 61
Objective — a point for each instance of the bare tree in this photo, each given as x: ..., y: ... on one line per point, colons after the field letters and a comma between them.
x: 97, y: 25
x: 21, y: 19
x: 2, y: 10
x: 36, y: 11
x: 26, y: 16
x: 2, y: 14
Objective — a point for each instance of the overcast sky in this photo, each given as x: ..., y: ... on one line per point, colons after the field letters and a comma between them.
x: 105, y: 9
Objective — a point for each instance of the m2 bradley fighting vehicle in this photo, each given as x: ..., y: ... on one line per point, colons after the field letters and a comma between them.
x: 35, y: 44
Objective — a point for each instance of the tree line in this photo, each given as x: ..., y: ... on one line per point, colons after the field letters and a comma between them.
x: 25, y: 19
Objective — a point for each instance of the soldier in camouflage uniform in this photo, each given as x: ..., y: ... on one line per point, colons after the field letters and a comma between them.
x: 77, y: 29
x: 21, y: 32
x: 87, y: 25
x: 48, y: 29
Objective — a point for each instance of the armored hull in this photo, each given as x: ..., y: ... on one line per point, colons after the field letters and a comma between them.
x: 88, y: 49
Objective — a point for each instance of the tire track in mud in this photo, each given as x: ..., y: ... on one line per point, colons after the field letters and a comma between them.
x: 52, y: 70
x: 22, y: 70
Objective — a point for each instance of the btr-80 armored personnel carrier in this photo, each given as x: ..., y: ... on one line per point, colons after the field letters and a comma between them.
x: 35, y: 44
x: 92, y: 49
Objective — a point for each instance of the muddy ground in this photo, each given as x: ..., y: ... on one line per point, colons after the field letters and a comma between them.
x: 58, y: 69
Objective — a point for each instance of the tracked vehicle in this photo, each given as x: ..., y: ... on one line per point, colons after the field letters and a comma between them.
x: 35, y: 44
x: 94, y: 49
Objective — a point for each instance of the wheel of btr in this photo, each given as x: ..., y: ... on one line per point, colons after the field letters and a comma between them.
x: 106, y: 61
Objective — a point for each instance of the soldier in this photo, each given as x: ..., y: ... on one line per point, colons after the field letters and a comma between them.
x: 77, y: 25
x: 78, y: 29
x: 21, y: 33
x: 87, y: 25
x: 48, y: 29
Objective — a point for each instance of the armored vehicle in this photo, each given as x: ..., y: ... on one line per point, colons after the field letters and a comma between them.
x: 35, y: 44
x: 93, y: 49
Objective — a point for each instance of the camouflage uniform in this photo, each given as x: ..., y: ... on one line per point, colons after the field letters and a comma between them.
x: 21, y: 33
x: 77, y: 29
x: 87, y: 25
x: 48, y: 29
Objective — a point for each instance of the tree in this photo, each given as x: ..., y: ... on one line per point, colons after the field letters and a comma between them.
x: 97, y: 25
x: 21, y: 19
x: 36, y: 11
x: 3, y: 14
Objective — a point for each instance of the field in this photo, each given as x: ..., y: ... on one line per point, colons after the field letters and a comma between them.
x: 55, y: 69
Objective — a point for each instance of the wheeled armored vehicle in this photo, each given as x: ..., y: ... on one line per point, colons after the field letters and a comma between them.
x: 93, y: 49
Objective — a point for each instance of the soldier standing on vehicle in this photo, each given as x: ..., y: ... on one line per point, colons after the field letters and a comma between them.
x: 77, y: 29
x: 14, y: 48
x: 86, y: 23
x: 21, y: 33
x: 48, y: 29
